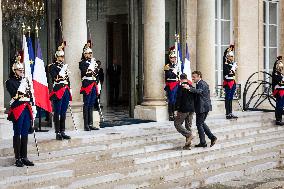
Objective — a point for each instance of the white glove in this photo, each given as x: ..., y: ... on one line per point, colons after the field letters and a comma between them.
x: 175, y: 71
x: 23, y: 86
x: 234, y: 67
x: 34, y: 111
x: 63, y: 70
x: 93, y: 65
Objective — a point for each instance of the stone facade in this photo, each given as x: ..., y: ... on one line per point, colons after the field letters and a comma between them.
x: 198, y: 29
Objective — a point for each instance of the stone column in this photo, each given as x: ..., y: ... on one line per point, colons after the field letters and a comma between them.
x: 1, y: 68
x: 190, y: 30
x: 154, y: 104
x: 249, y: 39
x: 75, y: 34
x: 205, y: 55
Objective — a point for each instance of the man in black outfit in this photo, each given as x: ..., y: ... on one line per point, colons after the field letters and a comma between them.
x: 202, y: 107
x: 185, y: 108
x: 114, y: 72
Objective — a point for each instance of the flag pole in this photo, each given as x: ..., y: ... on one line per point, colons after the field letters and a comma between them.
x: 31, y: 88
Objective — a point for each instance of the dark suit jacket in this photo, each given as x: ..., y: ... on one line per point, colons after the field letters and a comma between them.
x: 114, y: 74
x: 185, y: 100
x: 202, y: 97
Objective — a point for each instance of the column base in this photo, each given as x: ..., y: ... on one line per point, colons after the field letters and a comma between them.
x: 154, y: 113
x: 77, y: 112
x: 96, y: 119
x: 6, y: 126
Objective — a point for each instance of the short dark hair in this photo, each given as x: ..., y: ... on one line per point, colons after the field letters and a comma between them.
x: 197, y: 73
x: 183, y: 76
x: 98, y: 62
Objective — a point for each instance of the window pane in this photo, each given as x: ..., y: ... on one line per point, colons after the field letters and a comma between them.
x: 272, y: 57
x: 264, y: 57
x: 272, y: 13
x: 225, y: 13
x: 216, y: 8
x: 222, y: 54
x: 216, y: 58
x: 273, y: 36
x: 264, y: 11
x: 216, y: 31
x: 225, y: 27
x: 264, y: 35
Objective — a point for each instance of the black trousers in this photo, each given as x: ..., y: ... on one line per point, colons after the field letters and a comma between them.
x: 203, y: 128
x: 114, y: 93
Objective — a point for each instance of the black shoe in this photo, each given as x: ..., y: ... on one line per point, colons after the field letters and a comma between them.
x: 280, y: 123
x: 229, y: 116
x: 201, y: 145
x: 93, y: 128
x: 213, y: 141
x: 172, y: 118
x: 234, y: 117
x: 59, y: 136
x: 27, y: 162
x: 87, y: 129
x: 64, y: 136
x: 19, y: 163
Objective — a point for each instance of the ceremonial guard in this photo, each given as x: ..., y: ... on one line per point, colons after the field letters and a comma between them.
x: 89, y: 89
x: 172, y: 81
x: 229, y: 83
x: 278, y: 89
x: 61, y: 93
x: 21, y: 111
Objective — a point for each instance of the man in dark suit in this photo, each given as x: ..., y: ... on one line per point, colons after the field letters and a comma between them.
x: 202, y: 107
x: 114, y: 72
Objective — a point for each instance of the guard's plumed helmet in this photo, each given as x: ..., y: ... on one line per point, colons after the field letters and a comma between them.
x: 172, y: 52
x: 279, y: 66
x: 88, y: 47
x: 60, y: 50
x: 17, y: 64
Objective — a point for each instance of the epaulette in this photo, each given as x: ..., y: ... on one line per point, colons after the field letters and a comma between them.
x: 166, y: 67
x: 50, y: 64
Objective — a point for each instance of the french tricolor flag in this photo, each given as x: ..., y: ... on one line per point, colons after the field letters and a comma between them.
x: 41, y: 92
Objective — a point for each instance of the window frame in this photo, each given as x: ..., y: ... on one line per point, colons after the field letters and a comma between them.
x: 218, y: 40
x: 266, y: 33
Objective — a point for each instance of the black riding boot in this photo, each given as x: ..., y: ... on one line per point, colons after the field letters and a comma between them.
x: 278, y: 116
x: 227, y: 107
x: 90, y: 120
x: 57, y: 127
x: 62, y: 128
x: 24, y: 151
x: 86, y: 118
x: 171, y: 112
x: 17, y: 150
x: 231, y: 110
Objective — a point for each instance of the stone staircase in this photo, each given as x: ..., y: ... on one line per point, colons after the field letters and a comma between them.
x: 148, y: 155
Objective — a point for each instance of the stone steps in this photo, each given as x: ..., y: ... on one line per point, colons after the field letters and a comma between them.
x: 266, y: 145
x: 132, y: 148
x: 147, y: 156
x: 203, y: 173
x: 129, y: 142
x: 113, y: 138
